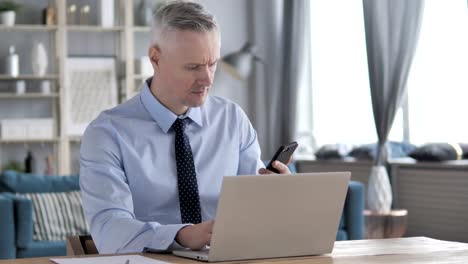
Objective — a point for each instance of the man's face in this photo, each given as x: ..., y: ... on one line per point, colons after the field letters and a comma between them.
x: 185, y: 65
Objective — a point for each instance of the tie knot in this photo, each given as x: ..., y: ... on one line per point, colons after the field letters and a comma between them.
x: 179, y: 124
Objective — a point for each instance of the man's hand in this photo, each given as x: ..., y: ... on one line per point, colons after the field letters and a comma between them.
x: 281, y: 167
x: 196, y: 236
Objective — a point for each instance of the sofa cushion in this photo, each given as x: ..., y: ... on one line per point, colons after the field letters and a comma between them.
x: 57, y: 215
x: 43, y: 249
x: 16, y: 182
x: 24, y: 221
x: 7, y: 228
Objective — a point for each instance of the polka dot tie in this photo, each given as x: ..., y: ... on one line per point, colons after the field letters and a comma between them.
x: 189, y: 198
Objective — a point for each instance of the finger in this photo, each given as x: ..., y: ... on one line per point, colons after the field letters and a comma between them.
x: 197, y: 246
x: 281, y: 167
x: 265, y: 171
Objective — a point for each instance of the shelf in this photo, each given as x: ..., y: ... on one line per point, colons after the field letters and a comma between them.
x: 4, y: 77
x: 27, y: 95
x: 30, y: 28
x: 94, y: 29
x: 140, y: 77
x: 74, y: 139
x: 26, y: 141
x: 141, y: 29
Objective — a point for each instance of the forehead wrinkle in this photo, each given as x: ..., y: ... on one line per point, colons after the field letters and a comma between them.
x: 177, y: 43
x: 204, y: 62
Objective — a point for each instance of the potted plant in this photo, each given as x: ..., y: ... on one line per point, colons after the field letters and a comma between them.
x: 8, y: 12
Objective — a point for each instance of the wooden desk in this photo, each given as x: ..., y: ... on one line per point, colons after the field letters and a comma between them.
x: 396, y: 250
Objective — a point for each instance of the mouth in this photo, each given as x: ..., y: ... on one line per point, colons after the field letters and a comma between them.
x: 200, y: 92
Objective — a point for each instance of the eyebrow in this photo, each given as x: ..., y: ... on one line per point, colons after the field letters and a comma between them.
x: 201, y: 64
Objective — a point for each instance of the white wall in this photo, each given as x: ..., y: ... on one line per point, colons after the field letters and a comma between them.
x: 233, y: 20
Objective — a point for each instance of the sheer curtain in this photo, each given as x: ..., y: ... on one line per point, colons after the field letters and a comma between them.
x: 392, y: 33
x: 437, y: 86
x: 438, y: 81
x: 341, y: 102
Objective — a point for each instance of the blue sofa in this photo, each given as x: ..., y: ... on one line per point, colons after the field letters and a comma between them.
x: 16, y: 224
x: 352, y: 221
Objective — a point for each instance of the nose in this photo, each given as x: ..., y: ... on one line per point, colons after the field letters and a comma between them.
x: 205, y: 76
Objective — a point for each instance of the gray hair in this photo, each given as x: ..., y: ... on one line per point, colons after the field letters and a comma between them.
x: 181, y: 15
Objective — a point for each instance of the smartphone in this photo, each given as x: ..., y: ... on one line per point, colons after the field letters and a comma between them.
x: 283, y: 154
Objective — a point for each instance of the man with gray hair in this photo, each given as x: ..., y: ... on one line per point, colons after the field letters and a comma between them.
x: 151, y: 168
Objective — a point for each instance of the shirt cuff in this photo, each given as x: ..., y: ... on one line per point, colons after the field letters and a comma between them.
x: 175, y: 246
x: 164, y: 239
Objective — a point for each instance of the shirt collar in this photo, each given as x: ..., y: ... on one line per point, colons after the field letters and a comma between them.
x: 161, y: 114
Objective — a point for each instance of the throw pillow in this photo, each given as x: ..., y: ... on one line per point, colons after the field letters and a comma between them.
x: 464, y: 148
x: 437, y: 152
x: 364, y: 152
x: 394, y: 150
x: 332, y: 151
x: 57, y: 215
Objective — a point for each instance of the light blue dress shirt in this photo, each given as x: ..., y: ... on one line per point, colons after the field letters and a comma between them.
x: 128, y: 174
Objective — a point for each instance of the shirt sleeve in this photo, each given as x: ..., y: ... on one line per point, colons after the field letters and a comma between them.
x: 249, y: 148
x: 107, y: 199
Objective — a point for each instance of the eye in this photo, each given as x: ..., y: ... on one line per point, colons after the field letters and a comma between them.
x: 192, y: 67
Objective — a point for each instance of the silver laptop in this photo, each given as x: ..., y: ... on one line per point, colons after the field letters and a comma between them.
x: 272, y: 216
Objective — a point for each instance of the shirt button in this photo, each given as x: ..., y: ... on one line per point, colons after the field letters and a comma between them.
x: 164, y: 241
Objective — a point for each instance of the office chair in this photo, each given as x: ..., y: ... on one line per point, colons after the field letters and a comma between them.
x: 81, y: 245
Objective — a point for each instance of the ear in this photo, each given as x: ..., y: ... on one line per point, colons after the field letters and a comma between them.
x: 154, y: 54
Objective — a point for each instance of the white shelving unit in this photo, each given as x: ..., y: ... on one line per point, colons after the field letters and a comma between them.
x: 93, y: 29
x: 4, y: 77
x: 27, y: 95
x: 127, y: 81
x: 26, y: 141
x: 27, y: 28
x: 141, y: 29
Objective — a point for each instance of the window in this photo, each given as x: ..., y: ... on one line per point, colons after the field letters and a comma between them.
x: 437, y: 85
x: 438, y: 81
x: 341, y: 101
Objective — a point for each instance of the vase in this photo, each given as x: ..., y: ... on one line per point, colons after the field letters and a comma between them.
x: 39, y: 59
x: 106, y: 9
x: 20, y: 87
x: 379, y: 191
x: 12, y: 63
x: 50, y: 15
x: 7, y: 18
x: 45, y: 87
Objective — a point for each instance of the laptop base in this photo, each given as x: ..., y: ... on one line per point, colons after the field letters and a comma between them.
x: 201, y: 255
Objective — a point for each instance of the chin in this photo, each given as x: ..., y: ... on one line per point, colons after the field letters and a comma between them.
x: 196, y: 102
